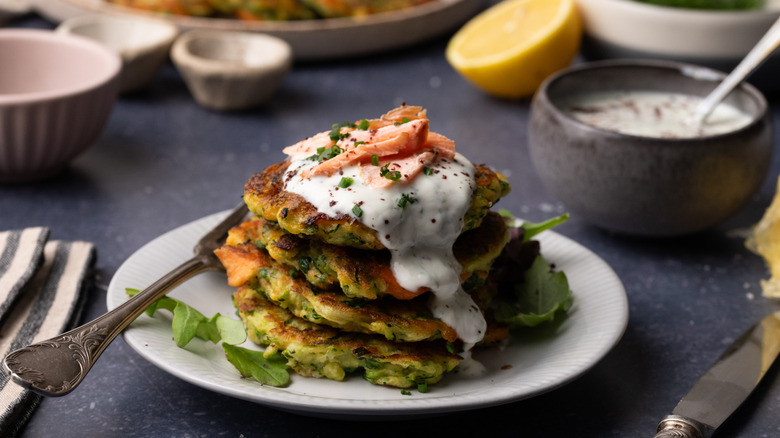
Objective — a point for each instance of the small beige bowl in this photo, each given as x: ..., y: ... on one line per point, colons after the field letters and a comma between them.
x: 56, y: 94
x: 142, y: 43
x: 231, y: 70
x: 641, y: 185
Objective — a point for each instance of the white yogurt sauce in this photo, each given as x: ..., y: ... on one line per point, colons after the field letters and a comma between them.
x: 652, y: 114
x: 419, y: 236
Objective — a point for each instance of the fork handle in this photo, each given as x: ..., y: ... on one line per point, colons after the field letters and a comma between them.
x: 54, y: 367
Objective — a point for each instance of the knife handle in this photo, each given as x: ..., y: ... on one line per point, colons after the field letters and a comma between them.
x: 675, y: 426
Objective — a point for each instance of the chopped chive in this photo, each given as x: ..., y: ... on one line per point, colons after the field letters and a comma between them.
x: 357, y: 211
x: 427, y: 170
x: 335, y: 132
x: 327, y: 153
x: 406, y: 199
x: 405, y: 392
x: 364, y: 124
x: 404, y: 120
x: 392, y: 175
x: 375, y: 160
x: 422, y: 387
x: 345, y: 182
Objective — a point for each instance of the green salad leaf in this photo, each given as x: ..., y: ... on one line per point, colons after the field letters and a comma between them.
x: 188, y: 323
x: 531, y: 229
x: 271, y: 370
x: 540, y: 295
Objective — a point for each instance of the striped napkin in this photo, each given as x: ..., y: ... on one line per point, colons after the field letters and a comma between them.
x: 41, y: 285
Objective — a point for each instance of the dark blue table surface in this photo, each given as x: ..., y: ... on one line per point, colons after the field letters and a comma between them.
x: 163, y: 161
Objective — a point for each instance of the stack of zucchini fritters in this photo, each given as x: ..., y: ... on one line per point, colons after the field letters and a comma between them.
x: 320, y: 290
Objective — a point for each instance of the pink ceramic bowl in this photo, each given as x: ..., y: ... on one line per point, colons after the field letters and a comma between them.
x: 56, y: 93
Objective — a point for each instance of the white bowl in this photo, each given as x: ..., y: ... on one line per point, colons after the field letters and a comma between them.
x: 142, y: 43
x: 231, y: 70
x: 717, y: 39
x: 56, y: 94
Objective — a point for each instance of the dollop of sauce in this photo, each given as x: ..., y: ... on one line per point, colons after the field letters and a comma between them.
x: 419, y: 232
x: 652, y: 114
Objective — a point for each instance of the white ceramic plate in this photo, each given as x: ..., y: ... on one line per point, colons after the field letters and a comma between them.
x: 310, y: 39
x: 538, y: 361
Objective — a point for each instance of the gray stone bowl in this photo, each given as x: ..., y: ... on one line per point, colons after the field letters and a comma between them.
x: 641, y: 185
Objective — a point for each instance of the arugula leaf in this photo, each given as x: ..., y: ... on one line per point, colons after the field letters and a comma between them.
x: 271, y: 370
x: 230, y: 330
x: 537, y: 299
x: 189, y: 323
x: 186, y: 321
x: 531, y: 229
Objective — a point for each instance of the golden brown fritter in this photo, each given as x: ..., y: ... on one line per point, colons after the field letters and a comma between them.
x: 367, y: 274
x: 321, y: 351
x: 398, y: 320
x: 265, y: 196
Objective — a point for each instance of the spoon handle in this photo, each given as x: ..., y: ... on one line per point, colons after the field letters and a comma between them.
x: 54, y: 367
x: 752, y: 60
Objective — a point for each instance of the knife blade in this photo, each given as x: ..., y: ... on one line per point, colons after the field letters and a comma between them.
x: 723, y: 388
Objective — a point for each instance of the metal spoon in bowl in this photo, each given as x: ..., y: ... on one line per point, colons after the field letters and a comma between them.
x: 752, y: 60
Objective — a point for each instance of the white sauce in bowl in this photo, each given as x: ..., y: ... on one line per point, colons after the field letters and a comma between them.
x: 419, y: 235
x: 652, y: 114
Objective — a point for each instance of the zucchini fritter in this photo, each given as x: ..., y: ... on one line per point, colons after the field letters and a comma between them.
x: 265, y: 196
x: 367, y: 274
x: 320, y: 351
x: 401, y: 320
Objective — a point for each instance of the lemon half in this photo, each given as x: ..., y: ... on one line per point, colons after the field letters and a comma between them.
x: 511, y: 47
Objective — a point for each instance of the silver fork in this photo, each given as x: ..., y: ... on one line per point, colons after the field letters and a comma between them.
x: 56, y: 366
